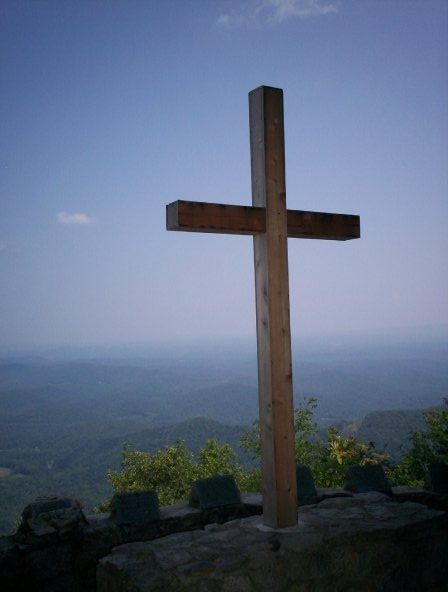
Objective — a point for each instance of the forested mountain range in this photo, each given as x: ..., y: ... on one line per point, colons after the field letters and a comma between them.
x: 63, y: 421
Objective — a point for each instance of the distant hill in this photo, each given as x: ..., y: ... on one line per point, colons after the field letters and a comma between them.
x: 192, y: 431
x: 100, y: 454
x: 348, y: 386
x: 351, y: 387
x: 75, y: 462
x: 390, y: 430
x: 63, y: 422
x: 228, y: 401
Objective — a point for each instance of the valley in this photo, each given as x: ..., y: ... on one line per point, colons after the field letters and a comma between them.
x: 63, y: 421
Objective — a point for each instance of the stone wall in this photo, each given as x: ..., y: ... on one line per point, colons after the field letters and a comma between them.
x: 364, y: 543
x: 57, y: 548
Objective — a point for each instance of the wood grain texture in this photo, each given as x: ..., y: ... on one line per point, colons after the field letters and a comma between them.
x: 272, y: 308
x: 271, y: 224
x: 194, y: 216
x: 319, y: 225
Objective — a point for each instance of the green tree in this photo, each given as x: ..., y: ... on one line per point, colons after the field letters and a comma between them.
x: 329, y: 457
x: 429, y: 445
x: 172, y: 471
x: 215, y: 459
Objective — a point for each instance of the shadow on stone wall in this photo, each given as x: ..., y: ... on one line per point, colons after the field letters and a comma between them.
x: 58, y: 548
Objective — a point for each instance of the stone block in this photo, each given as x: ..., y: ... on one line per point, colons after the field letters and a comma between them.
x: 135, y: 509
x: 214, y: 492
x: 306, y: 490
x: 367, y: 542
x: 365, y: 478
x: 52, y: 515
x: 436, y: 478
x: 50, y: 563
x: 11, y: 564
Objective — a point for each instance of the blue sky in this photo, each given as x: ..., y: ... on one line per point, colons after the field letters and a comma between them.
x: 110, y: 110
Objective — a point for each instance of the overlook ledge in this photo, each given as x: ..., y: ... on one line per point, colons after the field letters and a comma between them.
x: 367, y: 542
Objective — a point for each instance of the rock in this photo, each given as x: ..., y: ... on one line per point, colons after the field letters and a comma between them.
x: 10, y: 563
x: 433, y: 500
x: 306, y: 490
x: 436, y: 478
x: 135, y: 509
x: 215, y: 492
x: 366, y: 542
x: 329, y: 492
x: 253, y: 501
x: 52, y: 516
x: 99, y: 537
x: 365, y: 478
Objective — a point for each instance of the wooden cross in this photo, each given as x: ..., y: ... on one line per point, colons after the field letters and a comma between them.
x: 270, y: 223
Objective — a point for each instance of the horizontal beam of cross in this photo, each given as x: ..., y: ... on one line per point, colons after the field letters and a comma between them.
x: 194, y: 216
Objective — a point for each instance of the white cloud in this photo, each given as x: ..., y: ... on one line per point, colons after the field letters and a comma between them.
x: 76, y: 218
x: 223, y: 19
x: 263, y: 12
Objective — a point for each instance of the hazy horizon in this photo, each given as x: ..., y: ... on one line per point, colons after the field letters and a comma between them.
x: 111, y: 111
x: 354, y: 340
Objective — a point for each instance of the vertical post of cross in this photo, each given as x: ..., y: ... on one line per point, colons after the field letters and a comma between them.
x: 272, y: 308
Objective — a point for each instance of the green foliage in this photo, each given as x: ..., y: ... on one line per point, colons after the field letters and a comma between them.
x: 428, y: 446
x: 339, y: 453
x: 62, y: 423
x: 168, y: 471
x: 327, y: 458
x: 171, y: 471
